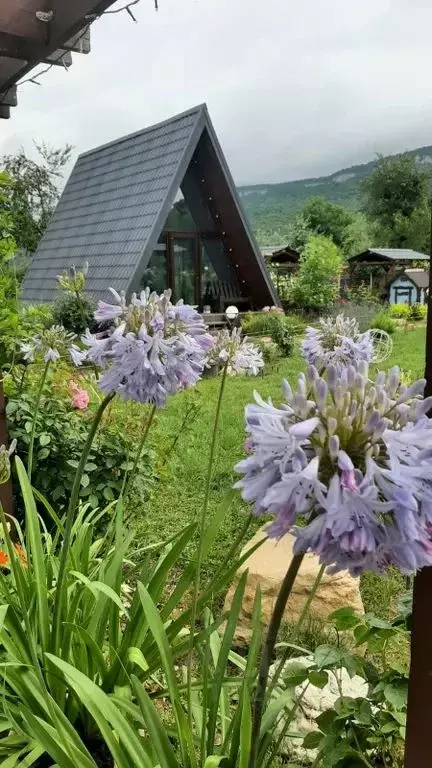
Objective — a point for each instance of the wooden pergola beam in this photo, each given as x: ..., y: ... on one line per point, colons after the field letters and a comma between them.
x: 70, y: 19
x: 9, y: 98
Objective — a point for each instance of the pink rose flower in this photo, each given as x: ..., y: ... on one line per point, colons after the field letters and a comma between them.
x: 80, y: 398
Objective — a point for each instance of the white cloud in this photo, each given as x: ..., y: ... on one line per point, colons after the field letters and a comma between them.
x: 293, y: 91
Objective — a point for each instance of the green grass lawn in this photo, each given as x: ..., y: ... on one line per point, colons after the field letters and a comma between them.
x: 178, y: 498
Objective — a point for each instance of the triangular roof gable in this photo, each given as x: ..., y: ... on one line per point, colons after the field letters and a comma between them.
x: 116, y: 201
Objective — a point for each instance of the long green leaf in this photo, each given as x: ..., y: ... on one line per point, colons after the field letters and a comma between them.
x: 37, y: 555
x: 156, y: 730
x: 249, y: 677
x: 94, y: 650
x: 210, y: 536
x: 159, y: 634
x: 107, y: 716
x: 100, y: 586
x: 246, y: 730
x: 222, y: 661
x: 49, y: 738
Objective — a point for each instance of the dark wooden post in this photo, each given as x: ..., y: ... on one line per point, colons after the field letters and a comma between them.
x: 418, y: 750
x: 6, y: 495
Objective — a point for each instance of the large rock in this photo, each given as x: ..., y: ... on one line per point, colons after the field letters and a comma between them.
x: 315, y: 701
x: 267, y: 567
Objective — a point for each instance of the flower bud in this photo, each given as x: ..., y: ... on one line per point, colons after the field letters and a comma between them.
x: 393, y: 379
x: 333, y: 445
x: 359, y: 383
x: 373, y: 421
x: 287, y: 391
x: 363, y: 369
x: 321, y: 391
x: 5, y: 466
x: 332, y: 377
x: 331, y: 425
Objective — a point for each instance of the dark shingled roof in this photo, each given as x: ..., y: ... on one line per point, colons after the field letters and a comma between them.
x: 390, y: 254
x: 116, y: 202
x: 112, y: 202
x: 420, y: 278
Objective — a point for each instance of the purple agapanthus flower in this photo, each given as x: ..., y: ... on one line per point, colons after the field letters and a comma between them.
x: 152, y: 348
x: 344, y: 465
x: 51, y: 345
x: 233, y: 348
x: 337, y: 341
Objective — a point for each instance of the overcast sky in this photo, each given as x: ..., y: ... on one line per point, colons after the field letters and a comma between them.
x: 294, y: 89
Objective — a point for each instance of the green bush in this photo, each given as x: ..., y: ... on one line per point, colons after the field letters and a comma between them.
x: 417, y: 312
x: 316, y: 285
x: 258, y: 323
x: 413, y: 312
x: 59, y: 442
x: 270, y: 351
x: 384, y: 322
x: 34, y: 318
x: 273, y: 324
x: 74, y: 312
x: 400, y: 311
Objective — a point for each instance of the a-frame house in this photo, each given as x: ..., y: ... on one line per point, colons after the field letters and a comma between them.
x: 158, y: 208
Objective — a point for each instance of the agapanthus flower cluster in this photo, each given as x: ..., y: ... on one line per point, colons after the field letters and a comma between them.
x: 345, y: 465
x: 51, y: 345
x: 150, y: 348
x: 231, y: 347
x: 337, y: 341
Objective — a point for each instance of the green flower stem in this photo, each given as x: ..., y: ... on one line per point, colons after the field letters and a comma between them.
x: 202, y: 527
x: 35, y: 415
x: 287, y: 653
x: 73, y: 503
x: 267, y: 653
x: 129, y: 474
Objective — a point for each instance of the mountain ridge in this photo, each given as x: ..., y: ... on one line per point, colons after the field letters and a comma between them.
x: 270, y: 207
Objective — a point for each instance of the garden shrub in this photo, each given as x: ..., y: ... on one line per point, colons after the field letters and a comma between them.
x: 384, y: 322
x: 61, y: 433
x: 400, y: 311
x: 417, y: 312
x: 316, y: 285
x: 74, y: 309
x: 414, y: 312
x: 9, y: 317
x: 273, y: 324
x: 75, y: 313
x: 270, y: 351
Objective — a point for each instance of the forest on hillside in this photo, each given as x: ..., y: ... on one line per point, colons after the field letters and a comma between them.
x: 272, y: 207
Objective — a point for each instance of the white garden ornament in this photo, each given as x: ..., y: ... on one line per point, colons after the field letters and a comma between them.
x: 382, y: 344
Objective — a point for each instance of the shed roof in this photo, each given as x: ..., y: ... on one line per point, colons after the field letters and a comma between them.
x: 389, y: 254
x: 116, y: 202
x: 419, y: 276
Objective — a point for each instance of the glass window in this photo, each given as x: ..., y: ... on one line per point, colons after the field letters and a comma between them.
x: 155, y: 275
x: 179, y: 218
x: 183, y: 251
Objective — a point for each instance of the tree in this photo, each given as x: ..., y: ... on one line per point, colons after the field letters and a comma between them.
x: 395, y: 197
x: 299, y: 231
x: 327, y: 219
x: 359, y: 235
x: 7, y: 241
x: 34, y: 191
x: 317, y: 283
